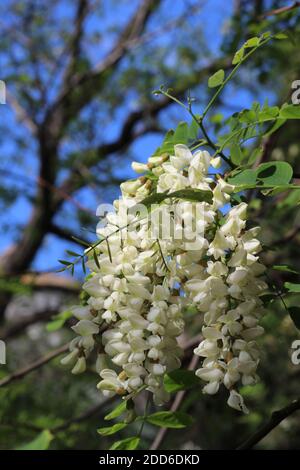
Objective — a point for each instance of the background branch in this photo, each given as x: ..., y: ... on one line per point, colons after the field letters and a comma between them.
x: 276, y: 418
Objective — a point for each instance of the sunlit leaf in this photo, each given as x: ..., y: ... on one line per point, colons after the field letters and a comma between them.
x: 41, y: 442
x: 216, y: 79
x: 108, y: 431
x: 131, y: 443
x: 170, y: 419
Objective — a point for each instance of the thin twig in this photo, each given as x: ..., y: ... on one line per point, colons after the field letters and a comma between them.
x: 274, y: 421
x: 278, y: 11
x: 19, y: 374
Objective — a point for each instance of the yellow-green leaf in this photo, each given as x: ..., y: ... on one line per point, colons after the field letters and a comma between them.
x: 216, y: 79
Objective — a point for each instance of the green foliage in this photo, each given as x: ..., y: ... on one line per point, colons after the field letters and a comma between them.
x: 199, y: 195
x: 216, y: 79
x: 180, y: 379
x: 271, y: 175
x: 58, y: 320
x: 291, y: 287
x: 284, y: 268
x: 41, y: 442
x: 170, y: 419
x: 290, y: 111
x: 14, y: 286
x: 108, y: 431
x: 183, y: 134
x: 130, y: 443
x: 117, y: 411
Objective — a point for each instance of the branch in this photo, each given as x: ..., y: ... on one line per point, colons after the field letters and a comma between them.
x: 275, y: 420
x: 19, y: 374
x: 127, y: 133
x: 21, y: 113
x: 66, y: 234
x: 83, y: 87
x: 74, y: 46
x: 74, y: 96
x: 278, y: 11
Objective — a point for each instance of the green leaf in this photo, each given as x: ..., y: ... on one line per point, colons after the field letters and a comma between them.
x: 96, y: 260
x: 252, y: 42
x: 238, y: 56
x: 291, y: 287
x: 193, y: 130
x: 180, y: 379
x: 290, y: 111
x: 217, y: 118
x: 170, y: 419
x: 254, y: 155
x: 280, y: 36
x: 188, y: 194
x: 271, y: 175
x: 116, y: 412
x: 81, y: 242
x: 59, y: 320
x: 274, y: 173
x: 236, y: 154
x: 108, y: 431
x: 131, y: 443
x: 284, y: 268
x: 245, y: 177
x: 295, y: 316
x: 181, y: 133
x: 197, y: 195
x: 216, y: 79
x: 41, y: 442
x: 292, y: 199
x: 268, y: 113
x: 72, y: 253
x: 64, y: 262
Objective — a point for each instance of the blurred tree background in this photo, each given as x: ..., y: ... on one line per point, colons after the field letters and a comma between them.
x: 79, y: 76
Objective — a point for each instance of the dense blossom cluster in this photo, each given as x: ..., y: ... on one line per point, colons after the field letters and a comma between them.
x: 149, y: 271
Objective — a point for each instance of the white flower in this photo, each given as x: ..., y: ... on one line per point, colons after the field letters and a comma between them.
x: 149, y: 271
x: 216, y: 162
x: 236, y: 401
x: 85, y: 328
x: 139, y: 167
x: 80, y: 366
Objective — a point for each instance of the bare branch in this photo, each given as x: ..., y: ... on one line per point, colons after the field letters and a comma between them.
x: 275, y: 420
x: 74, y: 45
x: 19, y: 374
x: 21, y: 113
x: 86, y: 84
x: 278, y: 11
x: 127, y: 134
x: 65, y: 234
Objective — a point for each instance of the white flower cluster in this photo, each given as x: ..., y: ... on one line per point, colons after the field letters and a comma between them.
x: 142, y: 282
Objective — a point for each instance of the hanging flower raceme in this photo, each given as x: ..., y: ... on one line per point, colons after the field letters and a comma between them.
x: 149, y: 265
